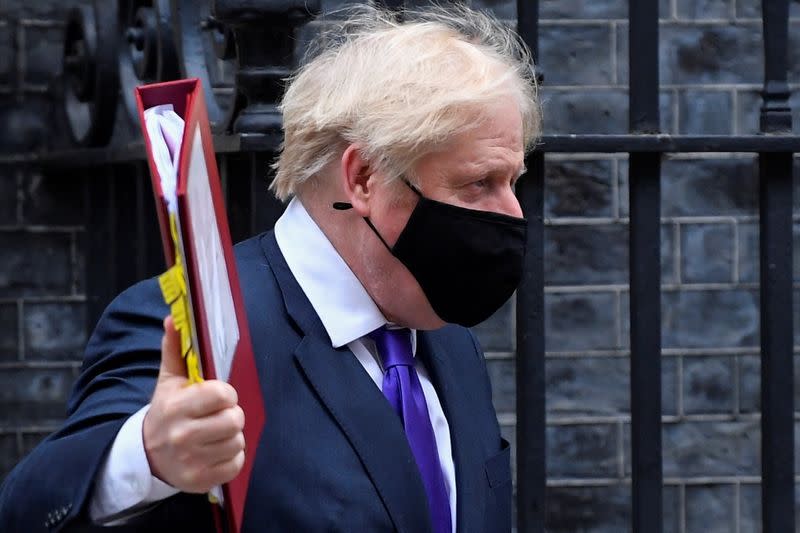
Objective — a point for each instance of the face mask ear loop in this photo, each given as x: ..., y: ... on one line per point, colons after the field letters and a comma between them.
x: 375, y: 231
x: 412, y: 187
x: 344, y: 206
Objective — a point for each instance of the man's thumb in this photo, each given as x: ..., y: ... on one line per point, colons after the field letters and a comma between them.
x: 172, y: 363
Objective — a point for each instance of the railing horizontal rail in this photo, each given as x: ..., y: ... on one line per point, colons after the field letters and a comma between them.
x: 669, y: 143
x: 574, y: 144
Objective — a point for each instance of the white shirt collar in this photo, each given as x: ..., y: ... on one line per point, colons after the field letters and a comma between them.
x: 343, y: 305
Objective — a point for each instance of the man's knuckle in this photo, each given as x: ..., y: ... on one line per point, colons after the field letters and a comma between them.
x: 217, y: 393
x: 179, y: 436
x: 232, y: 419
x: 239, y: 417
x: 229, y: 396
x: 190, y: 476
x: 234, y: 396
x: 170, y: 406
x: 234, y: 446
x: 230, y: 469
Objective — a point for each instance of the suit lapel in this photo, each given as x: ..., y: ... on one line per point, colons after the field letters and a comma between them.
x: 467, y: 454
x: 356, y: 404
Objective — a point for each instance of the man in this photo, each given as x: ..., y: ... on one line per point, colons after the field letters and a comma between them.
x: 403, y: 141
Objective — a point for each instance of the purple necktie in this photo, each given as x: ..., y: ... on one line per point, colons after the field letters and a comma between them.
x: 402, y: 388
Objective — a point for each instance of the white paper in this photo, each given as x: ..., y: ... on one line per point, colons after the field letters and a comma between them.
x: 165, y: 130
x: 212, y: 272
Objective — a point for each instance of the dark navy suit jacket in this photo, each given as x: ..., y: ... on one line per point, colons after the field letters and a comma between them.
x: 333, y: 455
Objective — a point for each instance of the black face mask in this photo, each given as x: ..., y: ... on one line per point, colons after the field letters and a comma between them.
x: 468, y: 262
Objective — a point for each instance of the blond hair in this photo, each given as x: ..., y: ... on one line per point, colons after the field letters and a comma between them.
x: 399, y: 89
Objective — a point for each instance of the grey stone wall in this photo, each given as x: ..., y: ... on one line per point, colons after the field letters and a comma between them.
x: 711, y: 71
x: 42, y: 329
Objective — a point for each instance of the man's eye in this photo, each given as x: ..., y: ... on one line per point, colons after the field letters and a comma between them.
x: 481, y: 183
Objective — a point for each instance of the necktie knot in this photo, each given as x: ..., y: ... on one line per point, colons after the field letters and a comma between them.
x: 394, y: 346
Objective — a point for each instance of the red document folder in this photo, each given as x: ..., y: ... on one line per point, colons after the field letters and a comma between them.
x: 193, y: 192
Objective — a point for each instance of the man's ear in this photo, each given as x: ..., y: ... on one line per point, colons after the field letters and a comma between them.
x: 356, y: 172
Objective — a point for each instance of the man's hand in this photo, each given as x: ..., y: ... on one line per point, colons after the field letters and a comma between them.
x: 192, y: 434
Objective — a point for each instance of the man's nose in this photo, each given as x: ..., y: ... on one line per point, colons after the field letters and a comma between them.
x: 509, y: 204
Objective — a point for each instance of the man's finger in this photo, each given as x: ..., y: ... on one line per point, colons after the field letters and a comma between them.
x: 219, y: 426
x: 227, y: 470
x: 172, y: 363
x: 206, y: 398
x: 223, y: 450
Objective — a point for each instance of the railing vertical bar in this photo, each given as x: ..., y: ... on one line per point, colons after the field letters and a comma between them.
x: 775, y: 210
x: 645, y: 317
x: 150, y: 260
x: 530, y: 376
x: 528, y: 24
x: 238, y: 201
x: 222, y: 168
x: 643, y: 72
x: 530, y: 361
x: 777, y: 396
x: 645, y: 274
x: 99, y: 244
x: 252, y: 176
x: 266, y: 208
x: 126, y: 227
x: 140, y: 244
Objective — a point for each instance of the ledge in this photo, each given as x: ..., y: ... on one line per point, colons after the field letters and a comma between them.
x: 591, y: 143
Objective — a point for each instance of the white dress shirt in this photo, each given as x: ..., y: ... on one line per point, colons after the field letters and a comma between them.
x: 348, y: 314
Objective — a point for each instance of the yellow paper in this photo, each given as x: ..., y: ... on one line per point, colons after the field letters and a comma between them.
x: 176, y: 295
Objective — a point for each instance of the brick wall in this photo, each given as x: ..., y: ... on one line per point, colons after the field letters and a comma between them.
x: 41, y: 268
x: 711, y: 71
x: 711, y: 74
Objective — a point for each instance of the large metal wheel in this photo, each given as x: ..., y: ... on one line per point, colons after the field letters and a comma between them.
x: 90, y: 81
x: 147, y: 53
x: 207, y: 50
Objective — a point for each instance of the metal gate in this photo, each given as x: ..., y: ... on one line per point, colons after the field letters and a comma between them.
x: 242, y: 50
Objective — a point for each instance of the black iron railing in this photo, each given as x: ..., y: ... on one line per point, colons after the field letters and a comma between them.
x: 209, y: 42
x: 645, y: 147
